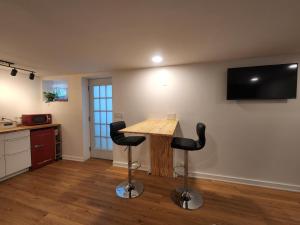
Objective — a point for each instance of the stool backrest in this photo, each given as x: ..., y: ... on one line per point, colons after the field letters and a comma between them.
x: 114, y: 131
x: 200, y: 128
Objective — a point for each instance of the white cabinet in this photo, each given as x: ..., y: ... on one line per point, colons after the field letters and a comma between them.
x: 2, y: 167
x: 15, y: 150
x: 1, y: 145
x: 2, y: 161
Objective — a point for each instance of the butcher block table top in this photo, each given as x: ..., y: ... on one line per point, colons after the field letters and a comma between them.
x: 164, y: 127
x: 20, y: 128
x: 161, y: 132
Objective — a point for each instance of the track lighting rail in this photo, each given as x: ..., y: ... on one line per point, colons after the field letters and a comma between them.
x: 15, y: 69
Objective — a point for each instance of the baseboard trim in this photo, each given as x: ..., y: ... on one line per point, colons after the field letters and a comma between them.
x: 73, y: 158
x: 239, y: 180
x: 14, y: 174
x: 125, y: 165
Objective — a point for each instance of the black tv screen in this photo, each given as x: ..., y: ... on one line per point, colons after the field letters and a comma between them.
x: 262, y: 82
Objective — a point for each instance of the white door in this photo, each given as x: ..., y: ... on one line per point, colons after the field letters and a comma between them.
x: 101, y: 115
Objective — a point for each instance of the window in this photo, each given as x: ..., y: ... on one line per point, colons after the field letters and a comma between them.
x: 57, y: 87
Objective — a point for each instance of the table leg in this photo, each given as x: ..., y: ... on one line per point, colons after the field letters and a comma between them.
x: 161, y: 156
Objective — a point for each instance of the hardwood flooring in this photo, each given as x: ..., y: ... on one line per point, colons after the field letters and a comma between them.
x: 74, y: 193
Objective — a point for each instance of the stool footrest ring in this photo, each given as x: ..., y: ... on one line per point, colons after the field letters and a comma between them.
x: 178, y: 171
x: 136, y: 165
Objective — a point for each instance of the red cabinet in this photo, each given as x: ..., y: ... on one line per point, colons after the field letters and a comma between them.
x: 42, y: 147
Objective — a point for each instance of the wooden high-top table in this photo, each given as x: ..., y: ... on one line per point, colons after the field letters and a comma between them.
x: 161, y: 133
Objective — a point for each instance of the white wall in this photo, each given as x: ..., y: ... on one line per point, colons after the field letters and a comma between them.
x: 256, y: 140
x: 247, y: 141
x: 69, y: 114
x: 19, y: 95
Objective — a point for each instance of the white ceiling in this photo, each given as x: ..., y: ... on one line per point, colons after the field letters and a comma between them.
x: 80, y: 36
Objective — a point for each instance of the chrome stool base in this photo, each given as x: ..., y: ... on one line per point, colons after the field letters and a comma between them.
x: 187, y: 200
x: 124, y: 190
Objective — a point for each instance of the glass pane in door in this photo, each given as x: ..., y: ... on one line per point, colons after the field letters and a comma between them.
x: 103, y: 115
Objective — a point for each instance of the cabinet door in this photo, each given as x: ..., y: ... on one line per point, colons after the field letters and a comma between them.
x: 2, y: 167
x: 42, y: 147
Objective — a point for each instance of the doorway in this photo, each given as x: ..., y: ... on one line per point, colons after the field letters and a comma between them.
x: 101, y: 115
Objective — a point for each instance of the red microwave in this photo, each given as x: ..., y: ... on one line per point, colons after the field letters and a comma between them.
x: 36, y: 119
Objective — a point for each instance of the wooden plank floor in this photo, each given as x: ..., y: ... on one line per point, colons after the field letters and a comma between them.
x: 74, y: 193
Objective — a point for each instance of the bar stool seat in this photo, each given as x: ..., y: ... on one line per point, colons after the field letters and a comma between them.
x: 131, y: 140
x: 185, y: 144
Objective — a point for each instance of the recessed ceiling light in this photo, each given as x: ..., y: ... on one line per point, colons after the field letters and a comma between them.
x: 157, y: 59
x: 254, y: 79
x: 293, y: 66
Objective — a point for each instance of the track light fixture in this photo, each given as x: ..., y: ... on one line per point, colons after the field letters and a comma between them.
x: 31, y: 76
x: 14, y: 71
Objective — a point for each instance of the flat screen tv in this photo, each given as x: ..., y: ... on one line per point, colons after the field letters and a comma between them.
x: 262, y: 82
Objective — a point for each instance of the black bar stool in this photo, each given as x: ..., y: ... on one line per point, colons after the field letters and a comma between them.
x: 185, y: 197
x: 129, y: 188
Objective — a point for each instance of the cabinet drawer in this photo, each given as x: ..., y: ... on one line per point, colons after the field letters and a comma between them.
x: 17, y: 134
x: 17, y: 162
x: 18, y: 144
x: 2, y: 167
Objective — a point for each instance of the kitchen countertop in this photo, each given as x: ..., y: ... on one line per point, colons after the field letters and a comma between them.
x: 20, y: 128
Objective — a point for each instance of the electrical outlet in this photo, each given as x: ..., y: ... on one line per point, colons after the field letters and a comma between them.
x: 179, y: 169
x: 18, y: 119
x: 180, y: 164
x: 118, y: 116
x: 143, y: 162
x: 171, y: 116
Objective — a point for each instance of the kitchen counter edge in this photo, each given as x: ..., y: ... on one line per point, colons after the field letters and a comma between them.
x: 35, y: 127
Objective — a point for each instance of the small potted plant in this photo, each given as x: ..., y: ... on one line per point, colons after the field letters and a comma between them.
x: 49, y: 96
